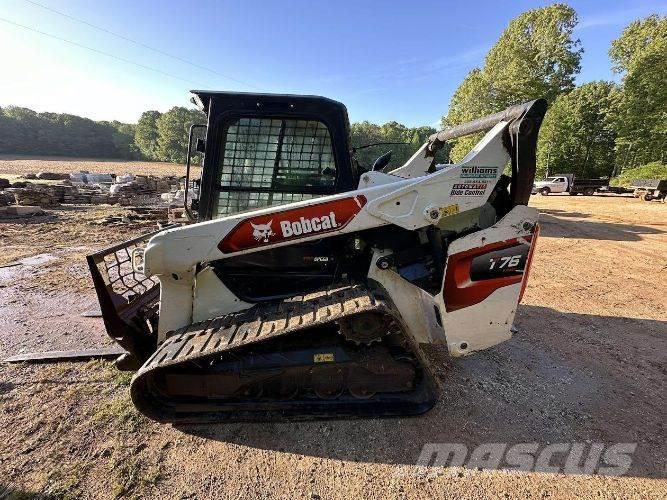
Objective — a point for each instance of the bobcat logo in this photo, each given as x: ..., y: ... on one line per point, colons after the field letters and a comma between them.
x: 262, y: 232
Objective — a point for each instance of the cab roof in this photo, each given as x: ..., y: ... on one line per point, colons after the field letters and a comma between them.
x: 203, y: 99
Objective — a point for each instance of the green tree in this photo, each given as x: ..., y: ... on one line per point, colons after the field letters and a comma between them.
x: 20, y: 130
x: 173, y: 127
x: 146, y: 134
x: 470, y: 101
x: 578, y: 133
x: 639, y: 55
x: 123, y: 138
x: 536, y: 56
x: 640, y: 36
x: 364, y: 133
x: 653, y: 170
x: 23, y: 131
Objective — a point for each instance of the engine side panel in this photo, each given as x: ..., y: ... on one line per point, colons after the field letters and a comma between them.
x: 484, y: 276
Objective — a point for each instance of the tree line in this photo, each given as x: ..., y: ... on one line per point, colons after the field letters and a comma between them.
x: 600, y: 128
x: 162, y: 136
x: 402, y: 142
x: 24, y: 131
x: 157, y: 136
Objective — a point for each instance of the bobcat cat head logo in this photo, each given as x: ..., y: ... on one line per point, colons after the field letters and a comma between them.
x: 262, y: 232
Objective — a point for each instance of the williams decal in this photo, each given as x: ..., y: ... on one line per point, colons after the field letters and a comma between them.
x: 469, y: 189
x: 479, y: 172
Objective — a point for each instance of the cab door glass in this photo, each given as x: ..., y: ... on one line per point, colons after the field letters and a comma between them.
x: 273, y: 161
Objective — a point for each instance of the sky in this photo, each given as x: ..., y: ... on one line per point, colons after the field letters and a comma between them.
x: 384, y: 60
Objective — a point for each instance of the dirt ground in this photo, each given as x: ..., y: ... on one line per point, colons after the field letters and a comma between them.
x: 14, y: 165
x: 587, y: 364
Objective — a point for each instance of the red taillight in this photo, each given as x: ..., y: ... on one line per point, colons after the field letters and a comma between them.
x: 526, y: 272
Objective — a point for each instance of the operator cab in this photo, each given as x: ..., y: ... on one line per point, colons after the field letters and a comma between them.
x: 264, y: 150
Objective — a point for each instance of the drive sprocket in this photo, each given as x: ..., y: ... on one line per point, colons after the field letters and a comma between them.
x: 364, y: 329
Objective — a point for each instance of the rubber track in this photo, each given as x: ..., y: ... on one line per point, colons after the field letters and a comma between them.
x: 265, y: 321
x: 208, y: 339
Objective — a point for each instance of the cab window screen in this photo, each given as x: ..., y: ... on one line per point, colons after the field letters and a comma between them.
x: 269, y: 161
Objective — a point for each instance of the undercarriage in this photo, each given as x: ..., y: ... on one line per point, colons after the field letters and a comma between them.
x: 288, y: 359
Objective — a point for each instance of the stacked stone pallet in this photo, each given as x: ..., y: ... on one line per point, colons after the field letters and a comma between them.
x: 34, y: 197
x: 141, y: 190
x: 56, y: 191
x: 5, y: 199
x: 142, y: 198
x: 156, y: 184
x: 52, y: 176
x: 89, y: 197
x: 71, y: 195
x: 165, y: 185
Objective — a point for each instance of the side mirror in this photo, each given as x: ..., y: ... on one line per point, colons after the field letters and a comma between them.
x: 200, y: 147
x: 382, y: 161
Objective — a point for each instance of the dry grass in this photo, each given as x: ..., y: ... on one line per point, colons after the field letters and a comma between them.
x: 21, y: 165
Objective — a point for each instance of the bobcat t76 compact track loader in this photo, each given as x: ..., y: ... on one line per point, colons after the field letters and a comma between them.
x: 307, y: 283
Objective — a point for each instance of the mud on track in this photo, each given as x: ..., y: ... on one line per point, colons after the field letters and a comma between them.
x: 586, y: 365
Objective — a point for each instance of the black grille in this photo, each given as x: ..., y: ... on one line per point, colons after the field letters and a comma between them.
x: 270, y: 161
x: 232, y: 202
x: 121, y: 276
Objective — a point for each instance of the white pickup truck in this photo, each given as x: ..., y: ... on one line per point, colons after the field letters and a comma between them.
x: 568, y: 183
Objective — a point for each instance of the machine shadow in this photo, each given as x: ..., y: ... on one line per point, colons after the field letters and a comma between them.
x: 10, y: 493
x: 561, y: 379
x: 554, y: 224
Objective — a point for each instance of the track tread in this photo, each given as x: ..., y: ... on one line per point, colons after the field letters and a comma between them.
x: 264, y: 321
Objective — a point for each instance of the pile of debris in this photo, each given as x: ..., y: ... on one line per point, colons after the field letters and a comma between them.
x: 136, y: 215
x: 141, y: 189
x: 47, y: 176
x: 84, y: 188
x: 5, y: 198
